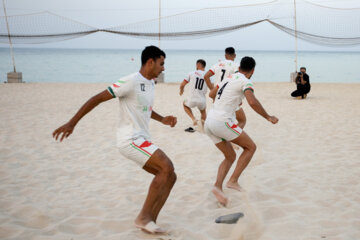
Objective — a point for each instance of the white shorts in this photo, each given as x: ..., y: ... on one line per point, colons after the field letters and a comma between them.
x: 138, y: 150
x: 191, y: 104
x: 221, y: 131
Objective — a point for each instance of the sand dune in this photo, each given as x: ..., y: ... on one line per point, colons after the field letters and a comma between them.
x: 302, y: 183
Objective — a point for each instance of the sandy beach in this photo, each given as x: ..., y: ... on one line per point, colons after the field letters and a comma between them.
x: 302, y: 183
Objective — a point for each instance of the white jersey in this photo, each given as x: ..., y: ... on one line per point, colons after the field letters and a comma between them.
x: 136, y: 97
x: 223, y: 69
x: 197, y: 86
x: 230, y: 96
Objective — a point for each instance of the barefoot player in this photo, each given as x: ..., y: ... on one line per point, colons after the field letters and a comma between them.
x: 197, y: 90
x: 221, y: 128
x: 135, y: 94
x: 222, y: 70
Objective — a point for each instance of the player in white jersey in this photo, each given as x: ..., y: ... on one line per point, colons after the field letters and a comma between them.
x: 222, y: 70
x: 221, y: 128
x: 196, y: 91
x: 135, y: 93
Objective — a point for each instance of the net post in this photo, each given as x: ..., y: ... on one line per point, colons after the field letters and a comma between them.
x: 12, y: 77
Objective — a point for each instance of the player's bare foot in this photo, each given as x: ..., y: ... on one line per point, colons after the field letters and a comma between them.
x: 142, y: 220
x: 235, y: 186
x: 201, y: 126
x: 220, y: 196
x: 151, y: 228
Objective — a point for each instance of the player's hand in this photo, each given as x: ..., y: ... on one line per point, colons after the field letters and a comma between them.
x: 169, y: 120
x: 273, y: 119
x: 65, y: 131
x: 181, y: 91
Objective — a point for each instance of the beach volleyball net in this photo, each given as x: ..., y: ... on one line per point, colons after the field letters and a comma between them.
x: 314, y: 23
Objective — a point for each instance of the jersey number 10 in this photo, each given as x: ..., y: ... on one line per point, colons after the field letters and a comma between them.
x: 199, y: 83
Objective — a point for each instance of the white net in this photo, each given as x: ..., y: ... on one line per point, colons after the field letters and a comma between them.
x: 315, y: 23
x: 41, y: 28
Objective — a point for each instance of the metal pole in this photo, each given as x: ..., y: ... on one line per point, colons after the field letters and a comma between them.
x: 296, y: 43
x: 8, y: 29
x: 159, y: 20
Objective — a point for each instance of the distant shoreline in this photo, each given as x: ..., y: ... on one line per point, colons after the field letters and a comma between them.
x: 107, y: 65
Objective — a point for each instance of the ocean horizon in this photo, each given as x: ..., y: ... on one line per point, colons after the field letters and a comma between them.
x: 108, y: 65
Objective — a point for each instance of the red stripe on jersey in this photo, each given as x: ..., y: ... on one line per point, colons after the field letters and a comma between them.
x: 186, y: 80
x: 211, y: 71
x: 115, y: 86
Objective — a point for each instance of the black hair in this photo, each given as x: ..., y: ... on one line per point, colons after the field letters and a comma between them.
x: 247, y: 63
x: 202, y: 62
x: 230, y: 51
x: 303, y: 68
x: 151, y: 52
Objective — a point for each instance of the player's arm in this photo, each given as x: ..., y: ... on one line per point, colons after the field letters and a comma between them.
x: 207, y: 77
x: 213, y: 92
x: 182, y: 86
x: 67, y: 129
x: 168, y: 120
x: 208, y: 83
x: 256, y: 105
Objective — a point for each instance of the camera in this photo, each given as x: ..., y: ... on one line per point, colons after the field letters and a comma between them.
x: 300, y: 74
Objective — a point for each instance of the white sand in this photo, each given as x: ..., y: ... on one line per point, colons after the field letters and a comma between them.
x: 303, y: 182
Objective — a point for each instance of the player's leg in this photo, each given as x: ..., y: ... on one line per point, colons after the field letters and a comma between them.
x: 189, y: 112
x: 166, y: 191
x: 224, y: 167
x: 241, y: 118
x: 203, y: 116
x: 161, y: 166
x: 202, y: 109
x: 249, y: 148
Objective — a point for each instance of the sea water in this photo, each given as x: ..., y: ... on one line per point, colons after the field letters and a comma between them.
x: 108, y: 65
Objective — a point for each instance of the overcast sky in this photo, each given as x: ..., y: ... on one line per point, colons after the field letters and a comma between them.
x: 109, y: 13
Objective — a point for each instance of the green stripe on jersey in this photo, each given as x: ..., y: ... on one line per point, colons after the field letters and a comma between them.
x: 111, y: 91
x: 249, y: 89
x: 121, y: 81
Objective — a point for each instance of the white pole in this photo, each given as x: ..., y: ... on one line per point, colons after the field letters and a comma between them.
x: 8, y: 29
x: 159, y: 20
x: 296, y: 40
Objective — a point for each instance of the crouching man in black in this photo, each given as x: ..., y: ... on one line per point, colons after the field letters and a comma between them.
x: 302, y: 84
